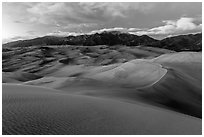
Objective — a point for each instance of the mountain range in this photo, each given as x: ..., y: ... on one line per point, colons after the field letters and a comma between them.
x: 190, y: 42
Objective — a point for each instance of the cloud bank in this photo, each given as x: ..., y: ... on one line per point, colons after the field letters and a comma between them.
x: 157, y: 19
x: 171, y: 27
x: 182, y: 25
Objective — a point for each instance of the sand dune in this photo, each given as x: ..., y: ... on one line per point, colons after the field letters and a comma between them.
x: 51, y: 82
x: 68, y: 71
x: 176, y: 91
x: 137, y: 73
x: 142, y: 96
x: 9, y: 80
x: 182, y: 57
x: 35, y: 110
x: 18, y: 76
x: 189, y: 63
x: 173, y: 85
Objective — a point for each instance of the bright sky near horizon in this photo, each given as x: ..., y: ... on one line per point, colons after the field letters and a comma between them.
x: 159, y: 20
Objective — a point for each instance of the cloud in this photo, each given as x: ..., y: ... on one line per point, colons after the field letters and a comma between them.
x: 15, y: 38
x: 125, y: 30
x: 182, y: 25
x: 78, y: 26
x: 85, y: 12
x: 107, y: 9
x: 115, y: 9
x: 31, y: 32
x: 17, y: 21
x: 133, y: 17
x: 172, y: 27
x: 120, y: 29
x: 62, y: 33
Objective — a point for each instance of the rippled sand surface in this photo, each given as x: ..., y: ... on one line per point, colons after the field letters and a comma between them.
x: 35, y: 110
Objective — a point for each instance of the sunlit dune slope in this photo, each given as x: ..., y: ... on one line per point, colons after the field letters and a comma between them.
x: 35, y: 110
x: 137, y: 73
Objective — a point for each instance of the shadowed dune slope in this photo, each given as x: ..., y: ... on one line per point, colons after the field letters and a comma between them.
x: 18, y: 76
x: 177, y: 91
x: 35, y: 110
x: 189, y: 63
x: 181, y: 87
x: 51, y: 82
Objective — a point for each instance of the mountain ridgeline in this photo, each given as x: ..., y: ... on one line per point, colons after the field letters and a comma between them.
x: 191, y: 42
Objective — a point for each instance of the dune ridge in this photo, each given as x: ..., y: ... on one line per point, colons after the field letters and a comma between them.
x: 165, y: 89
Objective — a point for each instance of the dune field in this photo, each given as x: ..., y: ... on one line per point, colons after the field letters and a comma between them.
x: 101, y: 68
x: 157, y: 95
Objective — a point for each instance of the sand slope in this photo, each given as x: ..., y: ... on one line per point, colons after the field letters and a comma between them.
x: 189, y: 63
x: 137, y: 73
x: 18, y: 76
x: 35, y: 110
x: 142, y: 96
x: 171, y: 80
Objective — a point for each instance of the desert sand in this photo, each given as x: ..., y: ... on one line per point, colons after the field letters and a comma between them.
x: 35, y: 110
x: 161, y: 95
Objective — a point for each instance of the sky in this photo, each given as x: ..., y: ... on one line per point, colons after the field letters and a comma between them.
x: 158, y: 20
